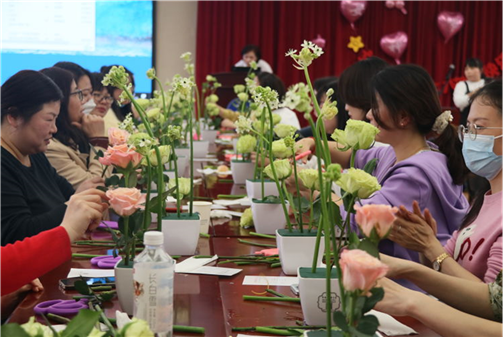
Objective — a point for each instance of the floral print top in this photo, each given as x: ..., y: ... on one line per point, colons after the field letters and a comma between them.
x: 496, y: 296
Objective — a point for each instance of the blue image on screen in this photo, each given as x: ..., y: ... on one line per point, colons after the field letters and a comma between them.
x: 124, y: 36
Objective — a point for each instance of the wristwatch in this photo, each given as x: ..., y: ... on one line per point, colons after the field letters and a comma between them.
x: 438, y: 261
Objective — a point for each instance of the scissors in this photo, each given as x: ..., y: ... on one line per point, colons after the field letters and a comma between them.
x: 302, y: 155
x: 105, y: 261
x: 61, y: 307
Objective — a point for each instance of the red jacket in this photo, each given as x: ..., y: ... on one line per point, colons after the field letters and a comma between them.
x: 26, y: 260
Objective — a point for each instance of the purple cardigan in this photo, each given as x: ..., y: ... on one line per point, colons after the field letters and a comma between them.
x: 423, y: 177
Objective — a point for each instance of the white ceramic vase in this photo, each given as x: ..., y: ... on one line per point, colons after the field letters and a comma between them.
x: 297, y: 249
x: 182, y: 151
x: 124, y: 286
x: 268, y: 217
x: 181, y: 234
x: 209, y: 135
x: 242, y: 170
x: 254, y: 188
x: 200, y: 148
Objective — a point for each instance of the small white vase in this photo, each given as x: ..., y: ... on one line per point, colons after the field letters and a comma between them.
x: 181, y: 164
x: 268, y: 217
x: 254, y: 188
x: 209, y: 135
x: 242, y: 170
x: 297, y: 249
x: 200, y: 148
x: 181, y: 234
x: 234, y: 143
x: 313, y: 294
x: 124, y: 286
x: 182, y: 151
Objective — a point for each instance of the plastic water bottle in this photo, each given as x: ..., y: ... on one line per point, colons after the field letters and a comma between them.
x: 153, y: 274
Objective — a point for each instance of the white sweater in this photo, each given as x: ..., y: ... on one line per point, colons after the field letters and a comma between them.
x: 460, y: 97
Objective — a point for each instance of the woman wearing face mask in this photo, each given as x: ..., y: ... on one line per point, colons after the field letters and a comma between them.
x: 475, y: 250
x: 102, y: 99
x: 70, y: 151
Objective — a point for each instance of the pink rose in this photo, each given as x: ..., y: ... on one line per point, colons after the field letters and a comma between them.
x: 117, y: 136
x: 121, y: 155
x: 125, y: 201
x: 360, y: 270
x: 380, y: 217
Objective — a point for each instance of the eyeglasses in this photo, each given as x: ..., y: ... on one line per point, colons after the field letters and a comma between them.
x: 471, y: 130
x: 98, y: 97
x: 79, y: 94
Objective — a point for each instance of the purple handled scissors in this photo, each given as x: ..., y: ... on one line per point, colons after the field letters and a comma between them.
x: 61, y: 307
x: 105, y: 261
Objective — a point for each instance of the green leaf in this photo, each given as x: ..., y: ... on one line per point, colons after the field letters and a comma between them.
x: 371, y: 301
x: 370, y: 166
x: 370, y: 247
x: 356, y: 333
x: 13, y: 329
x: 354, y: 240
x: 106, y: 296
x: 133, y: 180
x: 113, y: 180
x: 340, y: 320
x: 154, y: 203
x: 82, y: 287
x: 335, y: 213
x: 102, y: 188
x: 82, y: 324
x: 368, y: 325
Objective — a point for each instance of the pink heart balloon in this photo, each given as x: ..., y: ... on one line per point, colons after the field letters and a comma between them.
x: 319, y: 41
x: 353, y: 10
x: 449, y: 23
x: 394, y: 44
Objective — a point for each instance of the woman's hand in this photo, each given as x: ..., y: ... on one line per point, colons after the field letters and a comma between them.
x: 398, y: 268
x: 90, y: 184
x: 415, y: 231
x: 253, y: 157
x: 397, y: 299
x: 303, y: 145
x: 92, y: 126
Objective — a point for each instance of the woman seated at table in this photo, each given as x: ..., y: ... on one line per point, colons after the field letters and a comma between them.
x: 406, y: 108
x: 102, y: 97
x: 251, y: 53
x: 475, y: 250
x: 82, y: 78
x: 70, y: 151
x: 32, y: 257
x: 33, y: 194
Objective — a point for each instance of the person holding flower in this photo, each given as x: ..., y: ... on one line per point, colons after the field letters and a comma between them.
x: 475, y: 250
x: 71, y: 151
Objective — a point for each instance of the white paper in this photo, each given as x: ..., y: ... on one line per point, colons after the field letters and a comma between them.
x: 210, y: 171
x: 203, y: 159
x: 192, y: 263
x: 77, y: 272
x: 270, y: 280
x: 391, y: 326
x: 241, y: 335
x: 228, y: 202
x: 219, y: 271
x: 233, y: 213
x: 213, y: 206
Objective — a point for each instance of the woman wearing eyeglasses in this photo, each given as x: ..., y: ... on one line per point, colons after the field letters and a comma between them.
x: 103, y: 99
x: 71, y: 149
x: 475, y: 250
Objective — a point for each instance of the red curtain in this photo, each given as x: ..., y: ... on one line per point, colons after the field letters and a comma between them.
x: 224, y: 27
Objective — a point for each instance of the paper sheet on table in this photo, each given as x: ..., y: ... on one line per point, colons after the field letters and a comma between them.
x: 228, y: 202
x: 212, y: 158
x: 77, y: 272
x: 193, y: 263
x: 213, y: 206
x: 391, y: 326
x: 218, y: 271
x: 270, y: 280
x: 224, y: 214
x: 210, y: 171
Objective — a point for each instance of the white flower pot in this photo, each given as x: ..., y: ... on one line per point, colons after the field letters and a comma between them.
x: 181, y: 234
x: 234, y: 143
x: 313, y: 291
x: 181, y: 164
x: 268, y: 217
x: 297, y: 249
x: 254, y: 188
x: 182, y: 151
x: 200, y: 148
x: 124, y: 286
x: 209, y: 135
x: 242, y: 170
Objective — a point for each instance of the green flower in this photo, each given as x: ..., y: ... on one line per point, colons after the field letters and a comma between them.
x: 246, y: 144
x: 246, y: 219
x: 183, y: 85
x: 165, y: 151
x: 151, y: 73
x: 96, y: 333
x: 329, y: 109
x: 189, y: 68
x: 183, y: 187
x: 253, y: 65
x: 210, y: 78
x: 142, y: 142
x: 174, y: 132
x: 136, y: 328
x: 213, y: 109
x: 34, y: 328
x: 358, y: 183
x: 186, y: 56
x: 276, y: 119
x: 284, y: 130
x: 153, y: 114
x: 265, y: 96
x: 217, y: 85
x: 308, y: 53
x: 243, y: 96
x: 212, y: 98
x: 143, y: 102
x: 117, y: 77
x: 239, y: 88
x: 310, y: 179
x: 333, y: 172
x: 280, y: 150
x: 282, y: 167
x: 257, y: 126
x: 127, y: 124
x: 124, y: 97
x: 358, y: 135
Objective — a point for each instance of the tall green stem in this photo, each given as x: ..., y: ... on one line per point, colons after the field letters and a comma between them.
x: 299, y: 202
x: 126, y: 234
x: 191, y: 197
x: 311, y: 213
x: 147, y: 200
x: 178, y: 201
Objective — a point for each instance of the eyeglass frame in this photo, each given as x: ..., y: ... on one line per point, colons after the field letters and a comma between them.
x: 79, y: 94
x: 108, y: 98
x: 472, y: 130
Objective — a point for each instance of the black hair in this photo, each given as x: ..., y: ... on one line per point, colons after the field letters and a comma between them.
x: 409, y: 89
x: 474, y: 63
x: 106, y: 69
x: 342, y: 115
x: 254, y: 48
x: 67, y: 133
x: 354, y: 82
x: 76, y: 70
x: 320, y: 83
x: 274, y: 82
x: 97, y: 78
x: 490, y: 95
x: 25, y: 93
x: 120, y: 111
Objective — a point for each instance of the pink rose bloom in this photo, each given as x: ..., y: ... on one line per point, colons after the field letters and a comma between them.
x: 117, y: 136
x: 125, y: 201
x: 120, y: 156
x: 360, y: 270
x: 380, y: 217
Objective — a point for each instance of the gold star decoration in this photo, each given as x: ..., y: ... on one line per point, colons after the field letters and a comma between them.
x: 355, y: 43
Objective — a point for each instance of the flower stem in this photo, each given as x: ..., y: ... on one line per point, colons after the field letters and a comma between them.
x: 126, y: 235
x: 257, y: 244
x: 147, y: 200
x: 188, y: 329
x: 299, y: 210
x: 178, y: 201
x: 276, y: 331
x: 262, y: 235
x: 311, y: 215
x: 266, y: 298
x: 191, y: 140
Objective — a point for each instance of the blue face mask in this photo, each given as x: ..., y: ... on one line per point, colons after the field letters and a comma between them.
x: 479, y: 156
